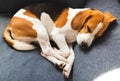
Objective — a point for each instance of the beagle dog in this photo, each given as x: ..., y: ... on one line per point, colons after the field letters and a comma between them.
x: 47, y: 21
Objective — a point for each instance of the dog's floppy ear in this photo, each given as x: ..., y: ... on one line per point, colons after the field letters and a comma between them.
x: 79, y: 20
x: 108, y: 18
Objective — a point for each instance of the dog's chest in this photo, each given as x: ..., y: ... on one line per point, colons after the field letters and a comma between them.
x: 71, y: 35
x: 67, y: 32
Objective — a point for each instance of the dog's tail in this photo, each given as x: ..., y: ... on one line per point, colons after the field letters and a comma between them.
x: 18, y: 45
x: 47, y: 22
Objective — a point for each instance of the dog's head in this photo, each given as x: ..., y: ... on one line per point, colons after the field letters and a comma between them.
x: 91, y: 24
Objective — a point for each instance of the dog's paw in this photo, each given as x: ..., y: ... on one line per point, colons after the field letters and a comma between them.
x: 67, y: 70
x: 61, y: 64
x: 65, y: 73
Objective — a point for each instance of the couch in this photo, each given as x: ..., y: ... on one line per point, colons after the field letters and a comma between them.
x: 101, y: 57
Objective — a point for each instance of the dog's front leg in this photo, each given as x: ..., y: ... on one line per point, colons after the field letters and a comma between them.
x: 45, y: 45
x: 48, y: 50
x: 59, y: 39
x: 50, y: 54
x: 69, y: 63
x: 55, y: 61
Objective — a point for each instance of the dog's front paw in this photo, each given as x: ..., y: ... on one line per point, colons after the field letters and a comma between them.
x: 65, y: 73
x: 67, y: 70
x: 61, y: 64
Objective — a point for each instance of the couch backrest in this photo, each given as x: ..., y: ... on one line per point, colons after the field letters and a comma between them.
x: 10, y: 6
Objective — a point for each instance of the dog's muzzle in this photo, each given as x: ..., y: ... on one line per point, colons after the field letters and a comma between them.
x: 85, y: 40
x: 84, y: 45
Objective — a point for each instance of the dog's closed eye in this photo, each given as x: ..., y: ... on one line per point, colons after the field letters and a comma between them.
x: 89, y: 30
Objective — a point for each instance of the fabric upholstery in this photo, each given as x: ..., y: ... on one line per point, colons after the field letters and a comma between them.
x: 102, y: 56
x: 11, y: 6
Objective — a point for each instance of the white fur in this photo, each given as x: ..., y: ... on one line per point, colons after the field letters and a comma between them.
x: 23, y: 46
x: 47, y: 22
x: 70, y: 61
x: 72, y: 12
x: 99, y: 26
x: 85, y: 37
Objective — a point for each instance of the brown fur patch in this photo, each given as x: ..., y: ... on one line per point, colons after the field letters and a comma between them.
x: 92, y: 23
x: 62, y: 19
x: 30, y: 14
x: 22, y: 28
x: 108, y: 18
x: 7, y: 36
x: 79, y: 20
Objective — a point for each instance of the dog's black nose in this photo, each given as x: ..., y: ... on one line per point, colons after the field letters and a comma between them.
x: 84, y: 45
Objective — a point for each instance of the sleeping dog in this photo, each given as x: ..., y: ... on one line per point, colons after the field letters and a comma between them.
x: 46, y: 21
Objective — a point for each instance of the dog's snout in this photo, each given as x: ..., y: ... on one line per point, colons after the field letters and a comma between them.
x: 84, y: 45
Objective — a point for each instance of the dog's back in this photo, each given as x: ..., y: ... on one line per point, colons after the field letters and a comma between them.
x: 54, y: 10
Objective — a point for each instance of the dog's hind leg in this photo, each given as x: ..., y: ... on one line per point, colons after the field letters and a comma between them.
x: 18, y: 45
x: 50, y: 23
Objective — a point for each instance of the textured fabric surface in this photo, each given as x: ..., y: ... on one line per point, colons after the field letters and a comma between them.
x: 10, y: 6
x: 119, y: 1
x: 102, y: 56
